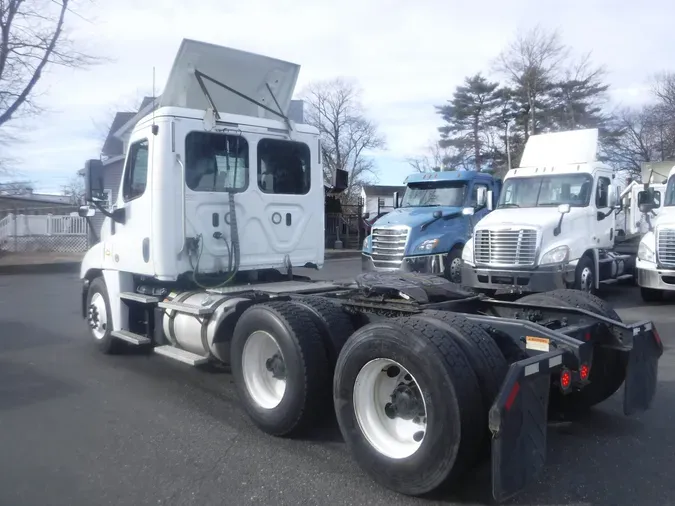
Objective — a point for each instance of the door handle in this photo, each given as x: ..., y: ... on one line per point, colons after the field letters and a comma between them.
x: 288, y: 219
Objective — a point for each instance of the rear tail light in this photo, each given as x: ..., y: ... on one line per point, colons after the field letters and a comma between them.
x: 584, y: 372
x: 565, y: 379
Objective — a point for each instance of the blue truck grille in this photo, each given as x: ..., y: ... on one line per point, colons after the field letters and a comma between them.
x: 505, y: 247
x: 389, y: 247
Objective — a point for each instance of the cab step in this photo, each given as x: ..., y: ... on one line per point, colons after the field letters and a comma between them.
x: 130, y: 337
x: 140, y: 297
x: 186, y: 308
x: 184, y: 356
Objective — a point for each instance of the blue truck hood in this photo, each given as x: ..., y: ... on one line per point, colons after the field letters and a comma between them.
x: 413, y: 216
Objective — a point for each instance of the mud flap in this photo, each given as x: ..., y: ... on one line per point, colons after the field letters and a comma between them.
x: 518, y: 421
x: 642, y: 370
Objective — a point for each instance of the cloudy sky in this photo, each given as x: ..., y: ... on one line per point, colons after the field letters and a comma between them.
x: 407, y: 56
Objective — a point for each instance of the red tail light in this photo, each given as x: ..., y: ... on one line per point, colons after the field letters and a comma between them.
x: 584, y: 372
x: 565, y: 379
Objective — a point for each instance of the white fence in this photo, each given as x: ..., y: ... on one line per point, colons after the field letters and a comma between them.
x: 58, y: 233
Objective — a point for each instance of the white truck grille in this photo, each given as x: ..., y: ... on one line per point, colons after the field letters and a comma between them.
x: 665, y: 246
x: 389, y: 247
x: 505, y: 247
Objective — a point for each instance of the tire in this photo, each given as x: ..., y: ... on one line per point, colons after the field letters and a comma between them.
x: 272, y: 327
x: 451, y: 395
x: 651, y: 295
x: 333, y: 323
x: 608, y: 370
x: 585, y: 268
x: 98, y: 300
x: 454, y: 261
x: 479, y: 348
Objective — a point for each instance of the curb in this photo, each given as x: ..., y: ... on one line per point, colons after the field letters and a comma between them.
x: 47, y: 268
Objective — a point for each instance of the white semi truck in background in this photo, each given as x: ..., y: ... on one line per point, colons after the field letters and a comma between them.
x: 656, y: 253
x: 561, y: 222
x: 222, y: 196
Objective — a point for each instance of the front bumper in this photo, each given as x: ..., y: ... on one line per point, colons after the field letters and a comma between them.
x: 427, y: 264
x: 539, y: 279
x: 649, y: 276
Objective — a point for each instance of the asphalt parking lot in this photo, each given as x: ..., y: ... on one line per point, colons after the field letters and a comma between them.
x: 80, y: 428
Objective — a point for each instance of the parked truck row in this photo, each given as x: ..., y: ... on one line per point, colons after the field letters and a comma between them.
x: 559, y: 220
x: 222, y: 198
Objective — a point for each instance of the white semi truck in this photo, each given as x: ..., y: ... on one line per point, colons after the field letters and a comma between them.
x: 656, y: 253
x: 555, y: 225
x: 222, y: 196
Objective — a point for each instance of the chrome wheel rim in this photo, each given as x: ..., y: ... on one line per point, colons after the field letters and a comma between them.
x: 264, y: 369
x: 97, y: 316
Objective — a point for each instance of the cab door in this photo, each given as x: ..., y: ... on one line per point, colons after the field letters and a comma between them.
x: 604, y: 223
x: 130, y: 240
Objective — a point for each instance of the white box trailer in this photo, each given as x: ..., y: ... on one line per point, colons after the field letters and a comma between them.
x: 222, y: 196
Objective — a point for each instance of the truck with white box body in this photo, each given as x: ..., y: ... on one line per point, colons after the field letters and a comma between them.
x: 222, y: 197
x: 555, y: 225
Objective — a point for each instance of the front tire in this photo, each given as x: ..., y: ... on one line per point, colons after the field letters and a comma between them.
x: 397, y: 373
x: 453, y: 266
x: 584, y: 277
x: 280, y: 367
x: 99, y: 318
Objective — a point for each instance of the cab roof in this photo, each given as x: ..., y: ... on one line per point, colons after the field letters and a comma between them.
x: 454, y: 175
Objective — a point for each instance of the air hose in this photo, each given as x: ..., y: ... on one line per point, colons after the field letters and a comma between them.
x: 233, y: 252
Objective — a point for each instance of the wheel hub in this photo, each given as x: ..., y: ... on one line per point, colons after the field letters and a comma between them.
x: 97, y: 316
x: 276, y: 366
x: 406, y: 403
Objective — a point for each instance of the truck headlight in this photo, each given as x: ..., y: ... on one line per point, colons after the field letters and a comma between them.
x: 646, y: 253
x: 427, y: 245
x: 467, y: 252
x: 555, y: 256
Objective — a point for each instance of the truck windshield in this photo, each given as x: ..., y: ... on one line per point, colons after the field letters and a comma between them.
x: 670, y: 192
x: 436, y: 193
x: 542, y: 191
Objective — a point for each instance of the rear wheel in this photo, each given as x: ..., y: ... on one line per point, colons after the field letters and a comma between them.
x: 280, y: 367
x: 408, y: 404
x: 608, y: 370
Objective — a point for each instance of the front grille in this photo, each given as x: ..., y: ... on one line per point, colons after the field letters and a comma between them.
x: 505, y: 247
x: 665, y: 246
x: 389, y: 247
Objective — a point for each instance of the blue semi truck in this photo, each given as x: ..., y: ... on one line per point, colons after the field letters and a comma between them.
x: 428, y: 228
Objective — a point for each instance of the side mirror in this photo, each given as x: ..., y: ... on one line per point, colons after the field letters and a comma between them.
x: 564, y: 208
x: 648, y: 200
x: 615, y: 198
x: 86, y: 212
x: 341, y: 180
x: 468, y: 211
x: 395, y: 200
x: 481, y: 196
x: 93, y: 181
x: 490, y: 200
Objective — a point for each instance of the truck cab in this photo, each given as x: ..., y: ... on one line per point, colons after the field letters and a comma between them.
x: 554, y: 224
x: 429, y: 227
x: 656, y: 253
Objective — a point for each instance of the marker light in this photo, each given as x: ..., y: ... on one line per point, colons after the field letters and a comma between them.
x: 565, y: 379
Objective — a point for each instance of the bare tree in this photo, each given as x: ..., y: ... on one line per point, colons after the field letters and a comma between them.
x: 32, y: 38
x: 644, y: 135
x: 14, y: 188
x: 433, y: 158
x: 74, y: 189
x: 347, y: 135
x: 532, y: 63
x: 663, y: 88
